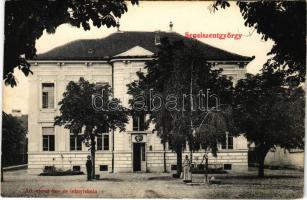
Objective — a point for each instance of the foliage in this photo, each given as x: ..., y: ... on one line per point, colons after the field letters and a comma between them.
x: 77, y: 109
x: 78, y: 113
x: 53, y: 171
x: 13, y: 133
x: 269, y: 114
x: 201, y: 169
x: 284, y: 23
x: 26, y: 20
x: 180, y: 69
x: 212, y: 130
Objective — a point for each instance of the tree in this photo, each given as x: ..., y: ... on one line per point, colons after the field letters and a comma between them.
x: 269, y: 114
x: 285, y: 23
x: 25, y: 22
x: 12, y: 134
x: 178, y: 74
x: 211, y: 132
x: 153, y: 82
x: 90, y: 107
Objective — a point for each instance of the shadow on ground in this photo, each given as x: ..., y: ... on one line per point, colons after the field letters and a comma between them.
x: 260, y: 178
x: 152, y: 194
x: 161, y: 178
x: 110, y: 179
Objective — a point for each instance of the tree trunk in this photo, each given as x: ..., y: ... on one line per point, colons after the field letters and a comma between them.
x: 1, y: 173
x: 179, y: 160
x: 93, y: 148
x: 164, y: 157
x: 261, y: 168
x: 262, y: 152
x: 112, y: 151
x: 2, y: 166
x: 206, y: 167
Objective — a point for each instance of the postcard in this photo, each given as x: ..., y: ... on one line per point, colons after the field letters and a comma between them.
x: 153, y: 99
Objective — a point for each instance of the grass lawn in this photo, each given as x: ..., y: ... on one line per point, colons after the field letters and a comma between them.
x: 277, y: 184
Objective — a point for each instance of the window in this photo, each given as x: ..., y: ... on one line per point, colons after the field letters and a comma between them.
x: 75, y: 143
x: 157, y: 39
x: 103, y: 139
x: 48, y: 139
x: 173, y: 167
x: 228, y: 142
x: 48, y: 95
x: 75, y: 140
x: 241, y: 65
x: 106, y: 142
x: 227, y: 166
x: 103, y: 167
x: 76, y: 168
x: 103, y: 142
x: 139, y: 122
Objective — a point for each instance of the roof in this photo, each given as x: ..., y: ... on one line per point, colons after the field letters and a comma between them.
x: 117, y: 43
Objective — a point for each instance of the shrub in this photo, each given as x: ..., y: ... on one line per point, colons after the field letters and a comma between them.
x: 53, y: 171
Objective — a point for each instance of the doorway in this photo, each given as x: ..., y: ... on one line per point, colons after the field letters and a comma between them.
x: 138, y: 156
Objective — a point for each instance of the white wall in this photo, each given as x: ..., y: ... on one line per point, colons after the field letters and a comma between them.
x: 124, y: 73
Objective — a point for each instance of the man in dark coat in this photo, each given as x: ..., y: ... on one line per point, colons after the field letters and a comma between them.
x: 89, y: 168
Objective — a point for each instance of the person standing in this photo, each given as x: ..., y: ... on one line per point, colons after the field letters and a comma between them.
x: 89, y: 168
x: 187, y: 175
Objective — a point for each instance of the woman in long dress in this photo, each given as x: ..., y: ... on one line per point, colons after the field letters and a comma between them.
x: 187, y: 175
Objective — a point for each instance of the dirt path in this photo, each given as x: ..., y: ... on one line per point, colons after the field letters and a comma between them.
x: 279, y: 184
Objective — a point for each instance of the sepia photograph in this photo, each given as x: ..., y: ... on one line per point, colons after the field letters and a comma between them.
x: 153, y: 99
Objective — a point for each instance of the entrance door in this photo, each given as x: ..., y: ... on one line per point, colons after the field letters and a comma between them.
x: 138, y: 156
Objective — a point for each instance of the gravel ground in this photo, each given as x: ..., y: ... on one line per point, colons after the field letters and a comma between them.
x: 278, y: 184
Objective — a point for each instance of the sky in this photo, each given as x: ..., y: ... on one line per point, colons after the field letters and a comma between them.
x: 192, y: 17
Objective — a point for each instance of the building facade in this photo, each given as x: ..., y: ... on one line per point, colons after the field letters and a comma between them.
x: 113, y: 60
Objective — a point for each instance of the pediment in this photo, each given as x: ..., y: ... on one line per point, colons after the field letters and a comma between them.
x: 136, y: 51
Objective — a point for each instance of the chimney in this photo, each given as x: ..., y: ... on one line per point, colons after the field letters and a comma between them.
x: 171, y: 26
x: 157, y: 38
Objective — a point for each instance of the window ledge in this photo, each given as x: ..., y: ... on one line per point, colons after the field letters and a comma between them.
x: 47, y: 109
x: 139, y: 132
